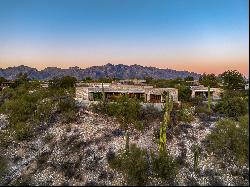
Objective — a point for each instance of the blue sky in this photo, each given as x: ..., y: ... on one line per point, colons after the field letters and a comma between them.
x: 180, y: 34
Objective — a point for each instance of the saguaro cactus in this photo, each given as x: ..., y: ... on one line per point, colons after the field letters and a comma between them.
x: 103, y: 94
x: 164, y: 124
x: 171, y: 104
x: 209, y: 100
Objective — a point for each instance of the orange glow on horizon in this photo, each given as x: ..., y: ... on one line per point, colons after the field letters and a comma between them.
x: 208, y: 65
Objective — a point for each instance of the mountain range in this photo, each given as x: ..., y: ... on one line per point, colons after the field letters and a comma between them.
x: 95, y: 72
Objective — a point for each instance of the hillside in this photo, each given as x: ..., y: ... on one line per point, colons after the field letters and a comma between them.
x: 95, y: 72
x: 77, y: 154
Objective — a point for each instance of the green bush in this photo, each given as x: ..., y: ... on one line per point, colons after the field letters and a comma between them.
x: 185, y: 115
x: 69, y: 116
x: 164, y: 166
x: 28, y: 106
x: 3, y: 166
x: 67, y: 108
x: 48, y: 137
x: 125, y: 109
x: 20, y: 109
x: 139, y: 125
x: 44, y: 110
x: 201, y: 109
x: 25, y: 180
x: 5, y: 139
x: 23, y: 131
x: 133, y: 165
x: 230, y: 140
x: 42, y: 159
x: 232, y: 106
x: 184, y: 93
x: 197, y: 100
x: 149, y: 114
x: 64, y: 82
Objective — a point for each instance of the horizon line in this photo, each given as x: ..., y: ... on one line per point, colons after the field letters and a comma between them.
x: 82, y: 68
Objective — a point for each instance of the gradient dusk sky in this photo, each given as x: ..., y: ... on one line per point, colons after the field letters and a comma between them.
x: 196, y: 35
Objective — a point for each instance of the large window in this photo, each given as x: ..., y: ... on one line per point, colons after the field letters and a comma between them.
x: 155, y: 98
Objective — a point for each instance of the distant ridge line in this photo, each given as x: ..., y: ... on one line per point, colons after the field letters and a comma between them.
x: 120, y: 71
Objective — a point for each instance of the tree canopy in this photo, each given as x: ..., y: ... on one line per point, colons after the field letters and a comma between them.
x: 209, y: 80
x: 232, y: 80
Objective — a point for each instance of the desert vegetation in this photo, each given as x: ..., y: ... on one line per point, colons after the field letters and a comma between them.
x: 47, y: 138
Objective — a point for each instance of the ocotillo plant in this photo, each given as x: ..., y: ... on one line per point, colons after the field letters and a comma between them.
x: 164, y: 124
x: 209, y: 99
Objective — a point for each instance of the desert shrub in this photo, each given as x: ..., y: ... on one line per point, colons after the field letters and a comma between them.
x: 128, y: 109
x: 156, y: 133
x: 44, y: 110
x: 42, y: 159
x: 29, y: 107
x: 23, y: 131
x: 184, y: 93
x: 201, y: 109
x: 5, y: 139
x: 3, y: 166
x: 20, y: 109
x: 185, y: 114
x: 111, y: 109
x: 230, y: 140
x: 68, y: 109
x: 125, y: 109
x: 48, y: 137
x: 25, y: 180
x: 164, y: 166
x: 149, y: 114
x: 139, y: 125
x: 232, y: 106
x: 64, y: 82
x: 197, y: 100
x: 133, y: 165
x: 69, y: 116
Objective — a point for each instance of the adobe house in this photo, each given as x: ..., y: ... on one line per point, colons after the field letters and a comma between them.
x: 203, y: 91
x: 146, y: 94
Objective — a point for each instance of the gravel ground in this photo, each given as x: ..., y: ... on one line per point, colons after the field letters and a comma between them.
x: 76, y: 154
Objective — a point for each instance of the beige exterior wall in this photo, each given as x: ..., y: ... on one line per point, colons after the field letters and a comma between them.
x: 84, y: 93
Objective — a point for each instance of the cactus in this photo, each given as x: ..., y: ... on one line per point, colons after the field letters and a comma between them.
x: 171, y: 104
x: 127, y: 141
x: 164, y: 124
x: 196, y: 157
x: 103, y: 94
x: 209, y: 100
